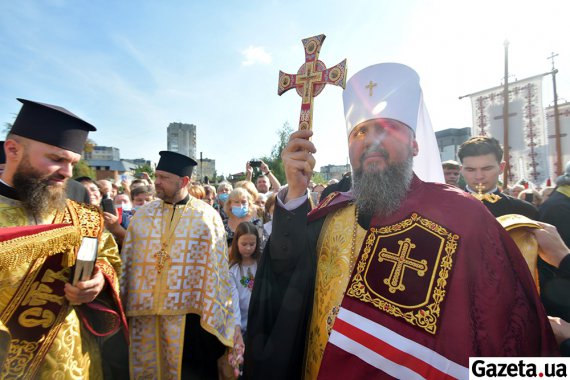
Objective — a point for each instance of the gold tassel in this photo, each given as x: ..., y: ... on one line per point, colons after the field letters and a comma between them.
x: 26, y: 249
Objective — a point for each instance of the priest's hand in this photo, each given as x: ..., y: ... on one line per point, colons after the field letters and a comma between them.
x: 552, y: 247
x: 298, y: 162
x: 236, y: 354
x: 85, y: 291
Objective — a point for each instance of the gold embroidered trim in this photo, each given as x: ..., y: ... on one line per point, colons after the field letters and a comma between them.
x: 89, y: 218
x: 25, y: 249
x: 424, y: 317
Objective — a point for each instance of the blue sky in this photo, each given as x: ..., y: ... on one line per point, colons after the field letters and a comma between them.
x: 132, y: 67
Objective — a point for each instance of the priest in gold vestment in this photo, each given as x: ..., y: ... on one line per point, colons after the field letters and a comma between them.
x: 51, y: 324
x: 175, y: 281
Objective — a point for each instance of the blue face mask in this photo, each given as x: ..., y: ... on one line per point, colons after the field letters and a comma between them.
x: 223, y: 197
x: 240, y: 212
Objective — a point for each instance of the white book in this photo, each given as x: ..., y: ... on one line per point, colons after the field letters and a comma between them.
x: 86, y: 258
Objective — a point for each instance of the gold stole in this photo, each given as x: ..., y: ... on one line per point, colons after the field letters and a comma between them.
x: 37, y: 310
x: 169, y: 224
x: 564, y: 189
x: 338, y: 247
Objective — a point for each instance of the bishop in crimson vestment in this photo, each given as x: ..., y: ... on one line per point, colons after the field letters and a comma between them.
x: 328, y: 291
x: 382, y: 289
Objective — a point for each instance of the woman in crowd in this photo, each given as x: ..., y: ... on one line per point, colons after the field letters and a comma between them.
x: 224, y: 190
x: 196, y: 190
x: 269, y: 208
x: 210, y: 195
x: 141, y: 195
x: 240, y: 208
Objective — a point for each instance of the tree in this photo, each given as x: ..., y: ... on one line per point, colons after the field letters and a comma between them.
x: 7, y: 128
x: 274, y: 160
x: 145, y: 168
x: 89, y: 144
x: 82, y: 169
x: 318, y: 178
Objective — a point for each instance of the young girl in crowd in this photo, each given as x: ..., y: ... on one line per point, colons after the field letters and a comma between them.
x: 244, y: 254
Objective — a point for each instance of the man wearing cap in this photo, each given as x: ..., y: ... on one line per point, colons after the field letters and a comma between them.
x: 451, y: 172
x: 396, y: 278
x: 176, y: 281
x: 59, y: 340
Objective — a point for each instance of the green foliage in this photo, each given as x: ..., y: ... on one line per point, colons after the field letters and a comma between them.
x: 146, y: 168
x: 6, y: 130
x: 89, y: 144
x: 82, y: 169
x: 318, y: 178
x: 274, y: 160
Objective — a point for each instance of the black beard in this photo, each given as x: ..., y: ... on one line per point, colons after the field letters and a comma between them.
x: 381, y: 192
x: 37, y: 195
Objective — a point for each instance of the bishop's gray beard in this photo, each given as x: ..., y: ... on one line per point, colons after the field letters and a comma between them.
x: 38, y: 196
x: 382, y: 191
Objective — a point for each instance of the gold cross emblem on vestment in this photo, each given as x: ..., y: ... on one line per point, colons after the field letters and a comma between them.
x: 161, y: 258
x: 370, y: 87
x: 401, y: 261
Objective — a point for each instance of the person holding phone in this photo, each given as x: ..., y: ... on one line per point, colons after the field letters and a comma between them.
x: 265, y: 179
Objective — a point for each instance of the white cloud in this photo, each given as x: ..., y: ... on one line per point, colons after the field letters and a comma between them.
x: 255, y: 55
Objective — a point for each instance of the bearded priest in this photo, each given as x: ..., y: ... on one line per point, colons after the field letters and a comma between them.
x: 57, y: 326
x: 397, y: 278
x: 176, y: 283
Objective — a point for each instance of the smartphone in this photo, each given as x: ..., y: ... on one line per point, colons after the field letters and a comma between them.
x: 108, y: 206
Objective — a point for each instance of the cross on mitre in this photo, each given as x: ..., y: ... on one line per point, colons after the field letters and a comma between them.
x: 370, y: 87
x: 311, y: 78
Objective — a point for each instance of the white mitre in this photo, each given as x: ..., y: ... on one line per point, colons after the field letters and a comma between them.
x: 392, y: 91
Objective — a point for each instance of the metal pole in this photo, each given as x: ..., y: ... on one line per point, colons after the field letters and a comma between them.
x: 556, y: 120
x: 507, y: 170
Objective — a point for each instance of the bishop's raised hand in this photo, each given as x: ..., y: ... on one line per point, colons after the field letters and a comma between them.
x: 298, y: 162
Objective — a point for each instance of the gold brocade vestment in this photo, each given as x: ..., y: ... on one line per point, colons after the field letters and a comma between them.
x: 337, y: 247
x: 165, y: 280
x: 74, y: 354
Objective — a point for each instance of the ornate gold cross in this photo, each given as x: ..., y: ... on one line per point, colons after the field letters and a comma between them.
x: 311, y: 78
x: 370, y: 87
x: 161, y: 258
x: 491, y: 198
x: 401, y: 261
x: 479, y: 187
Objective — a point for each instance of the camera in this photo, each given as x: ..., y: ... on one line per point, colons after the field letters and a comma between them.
x: 255, y: 163
x: 108, y: 206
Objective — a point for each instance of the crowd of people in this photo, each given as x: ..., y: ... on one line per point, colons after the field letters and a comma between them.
x: 361, y: 277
